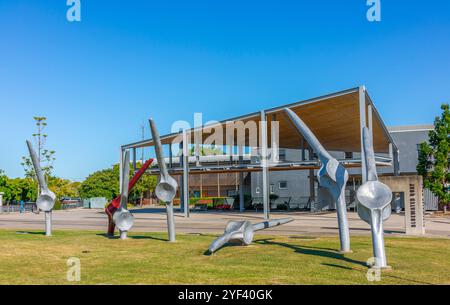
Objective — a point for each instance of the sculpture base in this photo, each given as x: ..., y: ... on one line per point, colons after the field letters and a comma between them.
x: 346, y: 252
x: 385, y: 268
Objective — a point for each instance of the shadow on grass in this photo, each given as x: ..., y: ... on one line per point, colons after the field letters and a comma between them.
x: 148, y: 237
x: 337, y: 266
x: 30, y: 232
x: 313, y: 251
x: 366, y: 230
x: 227, y: 245
x: 131, y: 237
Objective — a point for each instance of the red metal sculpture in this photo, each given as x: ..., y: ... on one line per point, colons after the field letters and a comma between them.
x: 114, y: 205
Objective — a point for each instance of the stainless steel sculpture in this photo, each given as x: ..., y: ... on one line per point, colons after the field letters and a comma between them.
x: 46, y: 200
x: 243, y: 232
x: 167, y: 186
x: 332, y: 175
x: 374, y: 202
x: 122, y: 217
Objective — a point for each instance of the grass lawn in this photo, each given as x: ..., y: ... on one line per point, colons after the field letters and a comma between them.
x: 146, y: 258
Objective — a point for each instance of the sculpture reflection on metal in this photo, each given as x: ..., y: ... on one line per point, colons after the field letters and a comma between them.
x: 46, y: 200
x: 167, y: 186
x: 332, y: 175
x: 243, y: 232
x: 122, y: 217
x: 374, y: 202
x: 114, y: 205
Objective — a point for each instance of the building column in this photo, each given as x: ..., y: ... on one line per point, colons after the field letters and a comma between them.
x: 1, y: 202
x: 312, y: 191
x: 185, y: 175
x: 265, y: 166
x: 241, y: 180
x: 362, y: 124
x: 120, y: 170
x: 134, y: 160
x: 274, y: 139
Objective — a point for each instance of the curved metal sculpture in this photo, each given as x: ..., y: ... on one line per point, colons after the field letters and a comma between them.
x: 114, y: 205
x: 243, y: 232
x: 332, y: 175
x: 123, y: 218
x: 374, y: 202
x: 167, y: 186
x: 46, y: 200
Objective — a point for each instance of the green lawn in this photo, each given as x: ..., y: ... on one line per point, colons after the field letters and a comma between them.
x: 147, y: 258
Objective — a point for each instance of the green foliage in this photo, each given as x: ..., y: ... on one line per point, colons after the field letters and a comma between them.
x: 26, y: 188
x: 207, y: 151
x: 17, y: 189
x: 63, y: 187
x: 146, y: 183
x: 104, y: 183
x: 434, y: 158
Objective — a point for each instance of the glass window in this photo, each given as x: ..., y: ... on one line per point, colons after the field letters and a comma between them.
x: 282, y: 154
x: 282, y: 185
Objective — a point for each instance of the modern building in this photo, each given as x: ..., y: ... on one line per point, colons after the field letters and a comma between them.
x: 265, y: 147
x: 293, y: 187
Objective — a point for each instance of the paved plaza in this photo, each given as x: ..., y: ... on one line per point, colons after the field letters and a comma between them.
x: 154, y: 220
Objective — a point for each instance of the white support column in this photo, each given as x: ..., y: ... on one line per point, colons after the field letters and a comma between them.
x: 363, y: 123
x: 265, y: 166
x: 274, y: 138
x: 134, y: 160
x: 370, y: 120
x: 241, y: 180
x: 185, y: 174
x: 1, y: 202
x: 120, y: 170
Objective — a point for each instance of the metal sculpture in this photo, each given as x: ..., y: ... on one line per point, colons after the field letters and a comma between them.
x: 122, y: 217
x: 332, y: 175
x: 374, y: 202
x: 167, y: 186
x: 243, y: 232
x: 112, y: 208
x: 46, y: 200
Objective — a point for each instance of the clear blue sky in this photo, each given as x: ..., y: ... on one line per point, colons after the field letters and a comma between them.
x: 99, y: 79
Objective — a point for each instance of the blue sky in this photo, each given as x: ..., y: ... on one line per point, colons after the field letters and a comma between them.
x: 99, y: 79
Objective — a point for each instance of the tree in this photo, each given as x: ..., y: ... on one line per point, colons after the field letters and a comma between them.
x: 63, y: 187
x: 46, y: 157
x: 433, y: 163
x: 146, y: 183
x: 104, y: 183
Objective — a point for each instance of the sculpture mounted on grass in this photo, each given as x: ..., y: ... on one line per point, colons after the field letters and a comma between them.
x: 243, y: 232
x: 46, y: 200
x: 123, y: 218
x: 332, y: 175
x: 167, y: 186
x: 374, y: 202
x: 114, y: 205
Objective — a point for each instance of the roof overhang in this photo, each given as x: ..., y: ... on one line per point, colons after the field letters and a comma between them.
x: 333, y: 118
